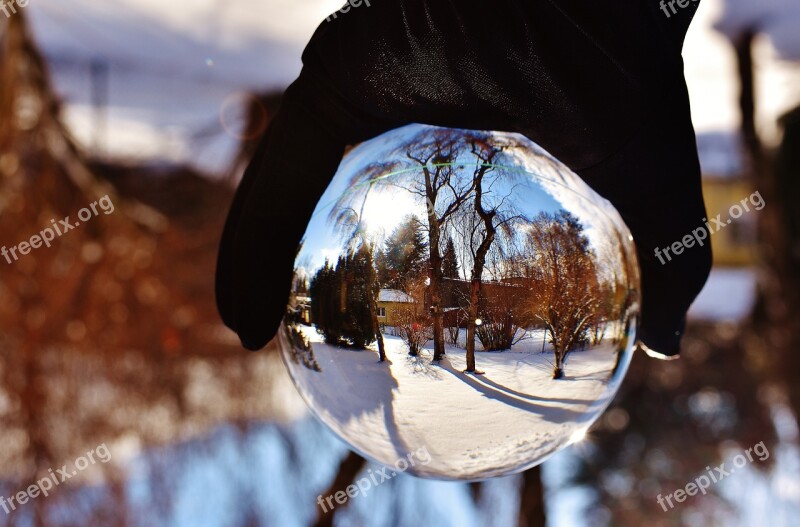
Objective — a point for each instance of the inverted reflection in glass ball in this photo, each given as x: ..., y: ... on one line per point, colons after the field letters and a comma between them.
x: 463, y: 304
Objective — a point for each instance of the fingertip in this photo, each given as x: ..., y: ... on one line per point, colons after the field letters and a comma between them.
x: 251, y: 344
x: 256, y: 332
x: 661, y: 342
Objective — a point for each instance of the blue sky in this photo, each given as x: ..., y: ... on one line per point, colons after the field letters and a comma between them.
x: 388, y: 205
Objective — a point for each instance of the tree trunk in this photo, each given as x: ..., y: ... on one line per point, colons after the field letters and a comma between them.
x: 747, y: 103
x: 436, y: 304
x: 559, y: 353
x: 474, y: 297
x: 531, y: 499
x: 348, y: 470
x: 778, y: 298
x: 436, y: 279
x: 777, y: 301
x: 373, y: 305
x: 477, y: 268
x: 376, y: 323
x: 781, y: 231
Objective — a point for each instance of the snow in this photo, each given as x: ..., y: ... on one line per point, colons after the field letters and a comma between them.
x: 268, y: 474
x: 473, y: 426
x: 728, y: 296
x: 393, y: 295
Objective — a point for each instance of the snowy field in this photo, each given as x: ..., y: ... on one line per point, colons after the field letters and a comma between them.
x: 473, y: 426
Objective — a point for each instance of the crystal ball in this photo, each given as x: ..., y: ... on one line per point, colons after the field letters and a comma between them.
x: 464, y: 305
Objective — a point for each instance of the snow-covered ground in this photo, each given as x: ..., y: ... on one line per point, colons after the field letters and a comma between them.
x: 728, y: 296
x: 472, y: 426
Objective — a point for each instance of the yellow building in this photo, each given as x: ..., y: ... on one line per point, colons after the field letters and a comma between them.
x: 390, y: 302
x: 728, y: 193
x: 736, y: 244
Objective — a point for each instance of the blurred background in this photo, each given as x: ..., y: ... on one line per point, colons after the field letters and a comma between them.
x: 110, y: 337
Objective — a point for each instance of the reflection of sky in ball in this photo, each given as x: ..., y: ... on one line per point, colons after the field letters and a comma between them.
x: 386, y: 208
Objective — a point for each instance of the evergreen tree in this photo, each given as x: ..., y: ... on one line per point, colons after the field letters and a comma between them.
x: 358, y: 326
x: 324, y: 291
x: 382, y: 268
x: 570, y: 293
x: 405, y: 255
x: 450, y: 260
x: 340, y: 300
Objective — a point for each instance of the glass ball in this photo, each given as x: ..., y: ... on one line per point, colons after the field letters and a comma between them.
x: 463, y: 306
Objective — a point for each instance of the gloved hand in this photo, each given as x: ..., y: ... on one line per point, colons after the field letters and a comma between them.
x: 598, y: 84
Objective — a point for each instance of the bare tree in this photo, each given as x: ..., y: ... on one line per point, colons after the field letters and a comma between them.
x: 432, y: 174
x: 447, y: 171
x: 444, y: 190
x: 569, y: 286
x: 494, y: 214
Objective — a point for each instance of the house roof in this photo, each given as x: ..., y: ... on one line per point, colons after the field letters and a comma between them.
x: 393, y: 295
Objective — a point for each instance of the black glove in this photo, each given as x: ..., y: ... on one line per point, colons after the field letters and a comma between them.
x: 598, y: 84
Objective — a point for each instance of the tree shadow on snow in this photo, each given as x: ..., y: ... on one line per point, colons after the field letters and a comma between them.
x: 358, y: 388
x: 548, y: 413
x: 499, y: 387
